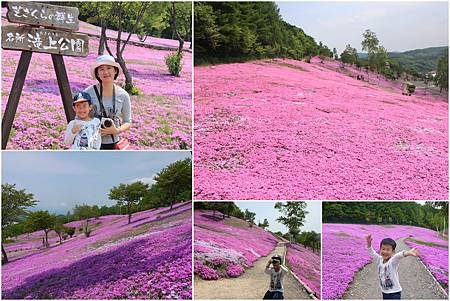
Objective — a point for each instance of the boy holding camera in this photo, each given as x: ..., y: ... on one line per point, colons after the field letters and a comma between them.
x: 277, y: 273
x: 83, y: 133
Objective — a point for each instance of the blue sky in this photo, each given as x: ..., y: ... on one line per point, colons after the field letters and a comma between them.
x: 59, y: 180
x: 265, y: 209
x: 399, y: 26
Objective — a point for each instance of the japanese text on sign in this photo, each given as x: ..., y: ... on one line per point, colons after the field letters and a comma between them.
x: 44, y: 40
x: 43, y: 14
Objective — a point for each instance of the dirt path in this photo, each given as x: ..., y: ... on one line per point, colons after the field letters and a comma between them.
x: 251, y: 285
x: 415, y: 280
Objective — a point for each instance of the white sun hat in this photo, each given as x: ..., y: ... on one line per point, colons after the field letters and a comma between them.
x: 104, y: 60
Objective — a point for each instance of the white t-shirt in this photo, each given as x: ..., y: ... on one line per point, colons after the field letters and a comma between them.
x: 388, y: 272
x: 276, y: 279
x: 87, y: 138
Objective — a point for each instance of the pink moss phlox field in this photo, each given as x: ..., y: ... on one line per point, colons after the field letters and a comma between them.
x: 161, y: 114
x: 344, y: 252
x: 118, y: 261
x: 306, y: 265
x: 224, y: 248
x: 435, y: 258
x: 284, y: 129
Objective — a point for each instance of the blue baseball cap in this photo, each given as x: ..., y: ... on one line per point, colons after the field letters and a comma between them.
x: 82, y: 97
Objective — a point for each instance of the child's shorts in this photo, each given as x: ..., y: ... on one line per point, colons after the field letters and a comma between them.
x: 392, y: 296
x: 273, y: 295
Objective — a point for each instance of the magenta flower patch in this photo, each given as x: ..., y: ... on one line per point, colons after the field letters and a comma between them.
x: 220, y: 249
x: 148, y: 259
x: 284, y: 129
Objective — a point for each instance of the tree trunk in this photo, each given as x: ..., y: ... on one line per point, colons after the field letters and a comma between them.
x: 129, y: 212
x: 46, y: 239
x: 86, y: 226
x: 175, y: 30
x: 4, y: 256
x: 101, y: 46
x: 126, y: 73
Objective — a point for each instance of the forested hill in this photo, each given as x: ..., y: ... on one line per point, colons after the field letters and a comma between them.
x: 431, y: 215
x: 418, y: 60
x: 239, y: 31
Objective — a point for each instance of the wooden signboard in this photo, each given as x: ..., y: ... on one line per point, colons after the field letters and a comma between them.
x: 33, y: 38
x: 45, y: 40
x: 46, y: 15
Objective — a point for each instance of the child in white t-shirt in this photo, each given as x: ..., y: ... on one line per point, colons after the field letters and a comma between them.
x: 387, y: 264
x: 83, y: 132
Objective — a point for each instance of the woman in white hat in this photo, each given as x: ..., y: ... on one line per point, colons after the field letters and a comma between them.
x: 111, y: 103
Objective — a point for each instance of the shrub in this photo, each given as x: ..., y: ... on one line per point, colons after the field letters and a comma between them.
x: 174, y: 64
x: 411, y: 88
x: 134, y: 91
x: 70, y: 231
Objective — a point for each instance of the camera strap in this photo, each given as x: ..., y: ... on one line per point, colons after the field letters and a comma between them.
x: 102, y: 107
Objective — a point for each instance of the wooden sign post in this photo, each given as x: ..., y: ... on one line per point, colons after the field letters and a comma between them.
x: 58, y: 40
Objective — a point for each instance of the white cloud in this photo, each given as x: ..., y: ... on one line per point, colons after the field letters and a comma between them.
x: 146, y: 180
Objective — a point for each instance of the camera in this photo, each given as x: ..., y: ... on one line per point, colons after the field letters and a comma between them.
x: 107, y: 122
x: 276, y: 259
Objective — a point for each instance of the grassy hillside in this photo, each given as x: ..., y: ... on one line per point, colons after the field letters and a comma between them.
x: 418, y: 60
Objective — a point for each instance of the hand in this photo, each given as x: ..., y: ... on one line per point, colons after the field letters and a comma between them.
x: 369, y: 240
x: 413, y: 252
x: 76, y: 128
x: 112, y: 130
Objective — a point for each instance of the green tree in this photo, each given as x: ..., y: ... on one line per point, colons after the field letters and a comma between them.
x: 60, y: 229
x: 349, y: 55
x: 370, y: 44
x: 310, y: 239
x: 335, y: 54
x: 41, y: 220
x: 441, y: 78
x: 84, y: 212
x: 129, y: 195
x: 264, y: 224
x: 206, y: 30
x: 381, y: 58
x: 15, y: 205
x: 293, y: 215
x: 249, y: 217
x: 125, y: 18
x: 174, y: 182
x: 236, y: 31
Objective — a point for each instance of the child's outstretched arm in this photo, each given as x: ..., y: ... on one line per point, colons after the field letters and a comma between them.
x: 396, y: 258
x: 413, y: 252
x: 369, y: 240
x: 372, y: 252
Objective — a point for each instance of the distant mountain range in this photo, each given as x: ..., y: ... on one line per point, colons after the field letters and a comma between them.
x: 420, y: 60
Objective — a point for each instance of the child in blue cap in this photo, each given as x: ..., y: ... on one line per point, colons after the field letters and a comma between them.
x: 83, y: 133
